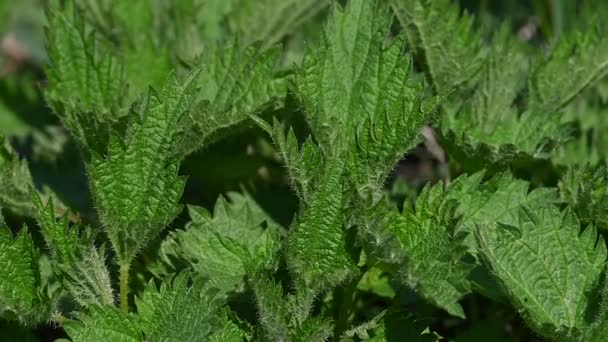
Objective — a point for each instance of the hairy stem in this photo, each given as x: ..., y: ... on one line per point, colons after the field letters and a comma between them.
x: 124, y: 287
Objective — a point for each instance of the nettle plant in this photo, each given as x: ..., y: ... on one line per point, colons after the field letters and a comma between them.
x: 141, y: 85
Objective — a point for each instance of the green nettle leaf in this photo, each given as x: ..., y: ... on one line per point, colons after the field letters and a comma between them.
x: 181, y: 312
x: 351, y: 83
x: 147, y: 61
x: 134, y: 32
x: 273, y: 316
x: 358, y: 94
x: 21, y: 296
x: 287, y: 317
x: 505, y: 64
x: 235, y: 83
x: 187, y: 27
x: 333, y: 79
x: 576, y: 61
x: 132, y: 20
x: 497, y: 199
x: 304, y: 163
x: 489, y: 130
x: 392, y: 126
x: 15, y: 180
x: 420, y: 245
x: 140, y: 86
x: 315, y: 329
x: 80, y: 265
x: 529, y: 139
x: 85, y: 85
x: 230, y: 332
x: 316, y: 249
x: 598, y: 329
x: 176, y: 312
x: 196, y: 25
x: 591, y: 145
x: 450, y: 46
x: 135, y: 186
x: 482, y: 203
x: 237, y: 240
x: 547, y: 267
x: 269, y: 21
x: 61, y: 240
x: 103, y: 323
x: 586, y: 191
x: 87, y: 279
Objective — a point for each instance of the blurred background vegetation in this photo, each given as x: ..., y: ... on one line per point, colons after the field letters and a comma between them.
x: 248, y: 160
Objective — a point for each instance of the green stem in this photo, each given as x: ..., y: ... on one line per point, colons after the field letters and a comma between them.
x: 124, y: 287
x: 344, y: 301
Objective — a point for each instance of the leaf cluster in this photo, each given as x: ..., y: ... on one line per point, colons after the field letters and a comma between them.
x: 323, y: 106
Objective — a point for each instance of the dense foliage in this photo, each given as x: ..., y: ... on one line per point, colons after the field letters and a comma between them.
x: 303, y: 170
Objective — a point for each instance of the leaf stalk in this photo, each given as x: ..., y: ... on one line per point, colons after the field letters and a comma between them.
x: 124, y: 287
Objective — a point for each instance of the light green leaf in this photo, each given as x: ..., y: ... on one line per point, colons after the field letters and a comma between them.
x: 547, y: 266
x: 315, y: 329
x: 238, y: 239
x: 194, y: 25
x: 378, y: 282
x: 483, y: 203
x: 495, y: 200
x: 177, y: 312
x: 502, y: 77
